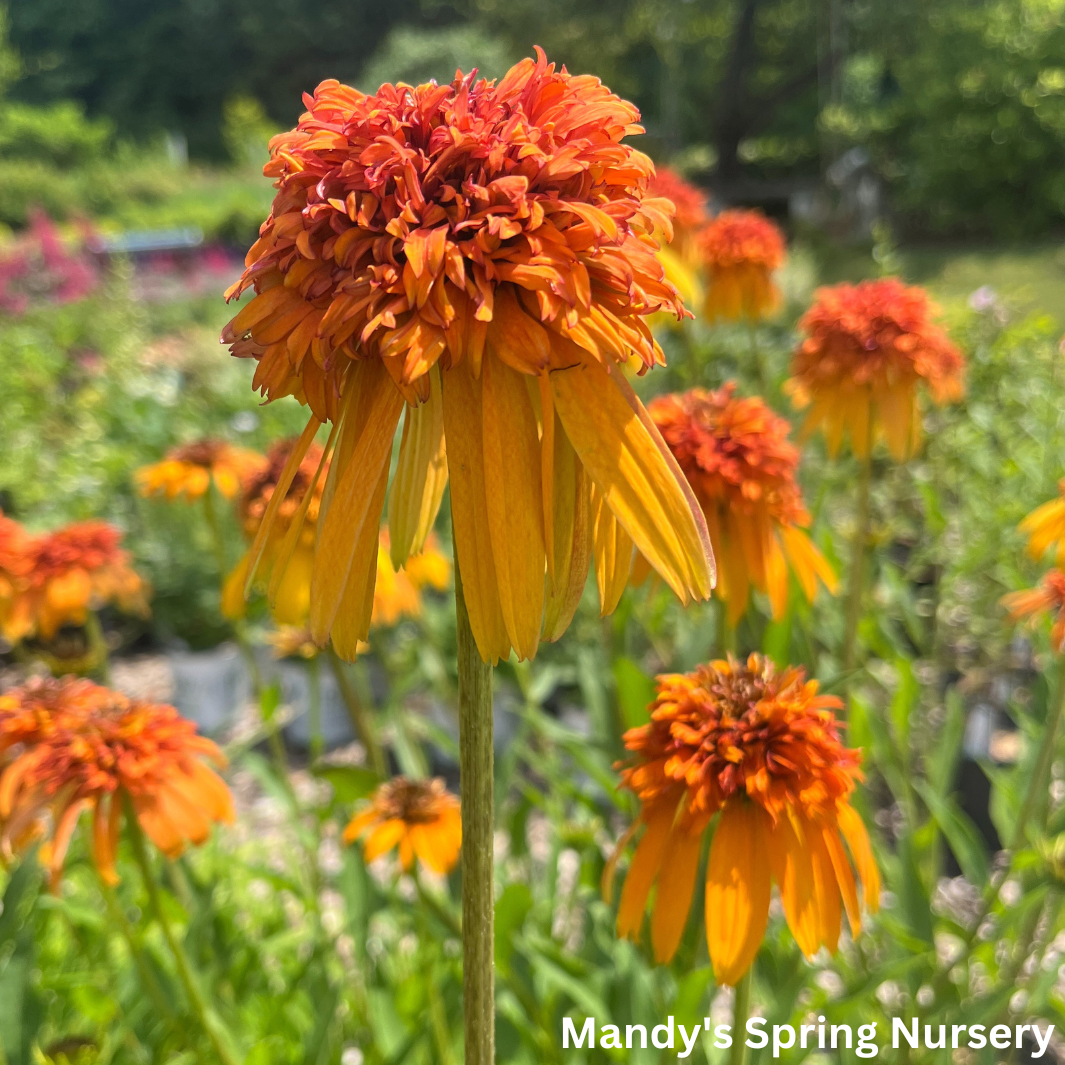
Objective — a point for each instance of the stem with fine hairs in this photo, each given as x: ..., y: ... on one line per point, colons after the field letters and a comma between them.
x: 741, y: 1008
x: 477, y: 786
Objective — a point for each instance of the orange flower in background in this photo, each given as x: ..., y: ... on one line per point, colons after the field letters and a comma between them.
x: 867, y: 348
x: 690, y: 210
x: 79, y: 568
x: 1045, y: 527
x: 1047, y: 599
x: 742, y: 468
x: 690, y: 214
x: 421, y: 817
x: 437, y: 250
x: 287, y: 555
x: 761, y: 749
x: 16, y: 560
x: 188, y: 470
x: 397, y: 593
x: 741, y: 250
x: 70, y: 746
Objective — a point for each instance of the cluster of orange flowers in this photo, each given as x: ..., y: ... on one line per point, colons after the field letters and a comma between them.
x: 51, y: 580
x: 189, y: 470
x: 69, y: 746
x: 761, y: 749
x: 737, y: 457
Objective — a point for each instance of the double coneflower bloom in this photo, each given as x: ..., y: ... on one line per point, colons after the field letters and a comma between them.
x: 737, y: 457
x: 760, y: 751
x: 866, y: 349
x: 69, y: 747
x: 53, y: 580
x: 741, y: 250
x: 1046, y: 599
x: 479, y: 256
x: 420, y: 817
x: 680, y: 252
x: 189, y: 470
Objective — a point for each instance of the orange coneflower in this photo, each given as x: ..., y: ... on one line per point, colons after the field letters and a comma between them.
x: 421, y: 817
x: 867, y: 346
x: 397, y: 593
x: 741, y: 250
x: 289, y: 550
x: 1045, y: 527
x: 481, y: 254
x: 67, y: 746
x: 16, y: 561
x: 78, y: 568
x: 188, y: 470
x: 679, y: 253
x: 1047, y: 599
x: 741, y: 466
x: 762, y: 750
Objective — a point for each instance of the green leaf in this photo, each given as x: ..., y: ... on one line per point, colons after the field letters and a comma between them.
x: 941, y: 766
x: 960, y: 833
x: 636, y: 691
x: 349, y: 782
x: 511, y: 910
x: 269, y: 701
x: 19, y: 898
x: 913, y: 898
x: 904, y: 701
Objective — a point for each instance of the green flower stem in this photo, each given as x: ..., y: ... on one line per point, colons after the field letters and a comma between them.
x: 741, y: 1008
x: 856, y: 580
x: 136, y: 949
x: 476, y: 773
x: 98, y: 646
x: 1035, y: 799
x: 209, y: 1020
x: 360, y: 719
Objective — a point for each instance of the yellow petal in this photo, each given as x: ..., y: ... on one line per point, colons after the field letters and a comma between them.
x: 353, y: 505
x: 853, y: 830
x: 737, y: 890
x: 233, y: 603
x: 515, y: 502
x: 352, y: 624
x: 469, y: 510
x: 791, y: 859
x: 421, y: 475
x: 644, y: 868
x: 571, y: 532
x: 284, y: 483
x: 676, y: 883
x: 844, y: 876
x: 613, y: 551
x: 636, y: 479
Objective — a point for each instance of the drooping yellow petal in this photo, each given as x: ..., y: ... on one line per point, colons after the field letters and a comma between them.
x: 853, y: 830
x: 469, y: 510
x: 352, y: 624
x: 790, y: 854
x: 421, y: 475
x: 807, y: 561
x: 637, y: 482
x: 353, y: 505
x: 613, y: 551
x: 548, y: 423
x: 646, y: 863
x: 826, y: 888
x: 737, y: 890
x: 571, y: 532
x: 515, y: 502
x: 676, y: 882
x: 291, y: 600
x: 233, y: 601
x: 284, y: 483
x: 844, y: 876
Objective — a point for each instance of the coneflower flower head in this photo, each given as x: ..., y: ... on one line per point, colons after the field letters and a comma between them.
x: 420, y: 817
x: 741, y: 250
x: 866, y: 349
x: 70, y: 746
x: 737, y: 457
x: 690, y: 209
x: 442, y: 247
x: 1047, y: 599
x: 1045, y: 528
x: 189, y: 469
x: 77, y: 568
x: 762, y: 749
